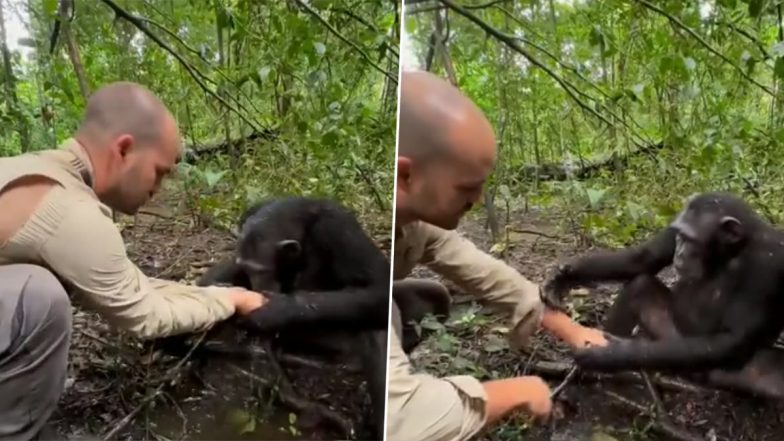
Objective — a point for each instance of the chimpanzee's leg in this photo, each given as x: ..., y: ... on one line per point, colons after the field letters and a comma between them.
x: 762, y: 376
x: 35, y: 332
x: 644, y: 301
x: 416, y: 298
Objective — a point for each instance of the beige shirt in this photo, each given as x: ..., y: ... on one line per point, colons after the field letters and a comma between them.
x: 421, y: 406
x: 72, y: 234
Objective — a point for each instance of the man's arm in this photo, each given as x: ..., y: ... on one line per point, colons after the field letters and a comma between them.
x: 489, y: 279
x: 500, y: 285
x: 87, y: 252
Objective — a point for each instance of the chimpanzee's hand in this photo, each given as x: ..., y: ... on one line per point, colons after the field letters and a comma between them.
x: 603, y: 357
x: 276, y: 313
x: 555, y: 287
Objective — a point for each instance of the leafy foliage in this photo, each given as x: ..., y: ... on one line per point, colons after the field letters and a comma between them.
x: 305, y: 91
x: 702, y: 79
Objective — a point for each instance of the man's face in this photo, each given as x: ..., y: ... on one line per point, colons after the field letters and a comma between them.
x: 442, y: 190
x: 139, y: 170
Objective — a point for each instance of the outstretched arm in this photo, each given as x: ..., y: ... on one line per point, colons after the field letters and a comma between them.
x: 617, y: 265
x: 349, y: 309
x: 647, y: 258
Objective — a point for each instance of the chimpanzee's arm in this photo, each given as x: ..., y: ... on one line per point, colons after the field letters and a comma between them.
x: 749, y: 321
x: 352, y: 309
x: 647, y: 258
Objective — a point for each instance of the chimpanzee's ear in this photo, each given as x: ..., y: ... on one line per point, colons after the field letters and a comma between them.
x: 289, y: 248
x: 731, y: 230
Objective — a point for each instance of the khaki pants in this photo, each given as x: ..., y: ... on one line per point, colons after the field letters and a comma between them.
x: 35, y: 331
x: 421, y: 407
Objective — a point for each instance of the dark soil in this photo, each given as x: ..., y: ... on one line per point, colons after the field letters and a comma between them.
x: 588, y: 408
x: 112, y: 377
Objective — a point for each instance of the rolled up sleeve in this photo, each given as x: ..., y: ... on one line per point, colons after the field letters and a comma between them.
x: 491, y: 280
x: 86, y: 251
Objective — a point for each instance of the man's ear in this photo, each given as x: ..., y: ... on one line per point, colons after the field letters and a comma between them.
x: 123, y: 144
x: 403, y: 171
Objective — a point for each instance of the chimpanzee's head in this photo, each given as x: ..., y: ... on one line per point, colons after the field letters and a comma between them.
x: 712, y: 228
x: 269, y: 248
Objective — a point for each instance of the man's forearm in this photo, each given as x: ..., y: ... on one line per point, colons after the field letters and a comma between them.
x: 569, y: 331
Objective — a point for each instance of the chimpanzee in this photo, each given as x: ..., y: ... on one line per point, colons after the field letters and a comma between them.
x: 326, y: 281
x: 721, y: 316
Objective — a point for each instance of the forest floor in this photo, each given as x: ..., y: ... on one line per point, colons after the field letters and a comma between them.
x: 112, y: 380
x: 589, y: 408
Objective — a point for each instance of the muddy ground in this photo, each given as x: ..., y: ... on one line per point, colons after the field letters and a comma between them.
x: 589, y: 408
x: 113, y: 379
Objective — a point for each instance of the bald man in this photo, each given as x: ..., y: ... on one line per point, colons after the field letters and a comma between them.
x: 446, y: 151
x: 57, y: 241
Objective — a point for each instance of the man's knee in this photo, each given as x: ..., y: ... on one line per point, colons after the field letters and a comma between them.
x: 44, y: 302
x: 35, y: 314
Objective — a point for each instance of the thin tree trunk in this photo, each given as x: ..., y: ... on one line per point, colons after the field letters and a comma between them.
x: 9, y: 84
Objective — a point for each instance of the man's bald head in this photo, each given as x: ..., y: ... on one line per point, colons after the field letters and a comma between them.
x: 132, y: 141
x: 434, y: 115
x: 125, y: 108
x: 446, y: 151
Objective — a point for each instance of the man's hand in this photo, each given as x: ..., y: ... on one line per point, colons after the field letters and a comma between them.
x: 555, y: 287
x: 245, y: 302
x: 539, y: 403
x: 529, y: 394
x: 275, y: 312
x: 585, y: 337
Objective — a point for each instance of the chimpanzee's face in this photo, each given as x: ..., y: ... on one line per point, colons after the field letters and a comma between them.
x: 270, y: 260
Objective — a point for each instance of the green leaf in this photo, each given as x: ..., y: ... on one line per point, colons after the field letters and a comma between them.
x: 322, y: 4
x: 728, y: 3
x: 410, y: 25
x: 264, y: 73
x: 595, y: 196
x: 320, y: 48
x: 242, y: 421
x: 213, y: 178
x: 50, y: 7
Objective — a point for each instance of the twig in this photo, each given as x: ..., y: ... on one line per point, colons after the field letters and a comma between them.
x: 554, y: 368
x: 120, y: 425
x: 565, y: 381
x: 535, y: 233
x: 660, y: 410
x: 664, y: 427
